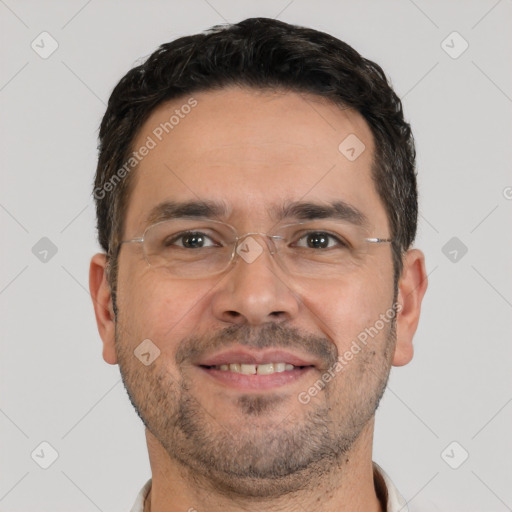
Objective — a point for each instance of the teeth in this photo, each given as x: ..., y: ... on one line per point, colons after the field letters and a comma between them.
x: 253, y: 369
x: 265, y: 369
x: 249, y: 369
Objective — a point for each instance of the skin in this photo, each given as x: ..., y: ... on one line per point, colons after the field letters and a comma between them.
x: 213, y: 447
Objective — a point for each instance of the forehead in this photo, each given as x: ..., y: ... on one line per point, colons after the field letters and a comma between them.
x: 254, y: 151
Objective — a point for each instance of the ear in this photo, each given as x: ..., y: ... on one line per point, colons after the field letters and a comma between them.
x: 411, y: 289
x: 103, y: 308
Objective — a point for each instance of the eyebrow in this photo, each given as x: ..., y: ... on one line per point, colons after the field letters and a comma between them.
x: 297, y: 210
x: 177, y: 209
x: 339, y: 210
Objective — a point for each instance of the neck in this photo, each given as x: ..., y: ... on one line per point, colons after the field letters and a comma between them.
x: 344, y: 486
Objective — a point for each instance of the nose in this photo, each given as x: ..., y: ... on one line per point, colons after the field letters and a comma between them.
x: 255, y: 290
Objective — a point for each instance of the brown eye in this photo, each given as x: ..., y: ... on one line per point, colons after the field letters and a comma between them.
x: 189, y: 240
x: 317, y: 240
x: 321, y: 240
x: 193, y: 240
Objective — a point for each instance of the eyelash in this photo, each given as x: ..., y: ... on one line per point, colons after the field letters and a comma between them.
x: 339, y: 240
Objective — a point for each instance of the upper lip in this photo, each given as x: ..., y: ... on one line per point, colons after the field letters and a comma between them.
x: 245, y: 356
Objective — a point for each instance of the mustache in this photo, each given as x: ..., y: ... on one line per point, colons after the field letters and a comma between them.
x: 269, y: 335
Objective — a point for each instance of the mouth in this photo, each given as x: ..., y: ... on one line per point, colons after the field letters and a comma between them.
x: 256, y: 369
x: 244, y: 370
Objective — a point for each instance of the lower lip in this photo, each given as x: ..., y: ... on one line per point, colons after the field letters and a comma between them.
x: 256, y: 382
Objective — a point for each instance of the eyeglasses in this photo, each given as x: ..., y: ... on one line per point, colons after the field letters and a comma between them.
x: 194, y: 248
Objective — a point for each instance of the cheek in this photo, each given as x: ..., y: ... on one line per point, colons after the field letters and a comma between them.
x: 157, y: 308
x: 344, y: 309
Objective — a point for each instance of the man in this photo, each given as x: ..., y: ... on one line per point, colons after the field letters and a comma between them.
x: 256, y: 202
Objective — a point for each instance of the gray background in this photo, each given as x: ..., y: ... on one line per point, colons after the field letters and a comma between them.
x: 55, y: 386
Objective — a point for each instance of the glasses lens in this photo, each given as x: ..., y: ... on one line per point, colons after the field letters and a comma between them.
x: 189, y: 247
x: 321, y: 249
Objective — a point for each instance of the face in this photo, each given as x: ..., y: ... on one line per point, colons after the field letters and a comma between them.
x: 255, y: 152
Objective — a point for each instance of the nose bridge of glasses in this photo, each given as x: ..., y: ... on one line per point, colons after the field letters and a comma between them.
x: 269, y: 241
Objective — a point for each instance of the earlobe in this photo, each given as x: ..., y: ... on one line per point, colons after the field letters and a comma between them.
x: 103, y: 309
x: 411, y: 289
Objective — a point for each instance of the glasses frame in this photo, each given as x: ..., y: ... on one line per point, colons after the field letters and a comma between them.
x: 237, y: 239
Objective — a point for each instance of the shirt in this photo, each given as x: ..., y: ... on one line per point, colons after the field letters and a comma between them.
x: 384, y: 487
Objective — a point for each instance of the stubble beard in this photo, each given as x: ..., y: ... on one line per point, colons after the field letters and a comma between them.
x: 279, y: 456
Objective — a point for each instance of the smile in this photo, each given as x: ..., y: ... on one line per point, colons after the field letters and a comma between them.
x: 255, y: 369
